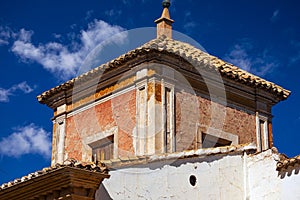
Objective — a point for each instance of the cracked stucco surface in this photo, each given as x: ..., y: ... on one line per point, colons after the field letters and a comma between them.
x: 232, y: 176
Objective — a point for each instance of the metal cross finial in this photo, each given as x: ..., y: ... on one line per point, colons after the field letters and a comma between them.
x: 166, y: 3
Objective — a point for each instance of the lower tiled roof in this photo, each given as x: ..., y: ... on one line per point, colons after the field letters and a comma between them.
x: 92, y: 167
x: 286, y: 162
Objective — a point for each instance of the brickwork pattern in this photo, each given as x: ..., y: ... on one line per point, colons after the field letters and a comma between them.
x: 193, y: 112
x: 119, y: 111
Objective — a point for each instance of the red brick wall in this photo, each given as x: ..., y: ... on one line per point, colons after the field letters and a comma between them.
x: 119, y: 111
x: 124, y: 111
x: 192, y: 112
x: 187, y: 117
x: 240, y: 123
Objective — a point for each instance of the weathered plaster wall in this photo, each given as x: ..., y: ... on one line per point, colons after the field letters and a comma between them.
x: 217, y: 178
x: 290, y: 185
x: 193, y: 113
x: 264, y: 182
x: 248, y: 177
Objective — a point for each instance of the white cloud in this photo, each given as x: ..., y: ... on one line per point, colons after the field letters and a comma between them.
x: 3, y: 42
x: 29, y: 139
x: 6, y: 93
x: 56, y: 36
x: 239, y: 57
x: 24, y: 87
x: 64, y: 60
x: 25, y: 35
x: 245, y: 57
x: 275, y: 16
x: 89, y: 14
x: 113, y: 13
x: 5, y: 35
x: 189, y: 23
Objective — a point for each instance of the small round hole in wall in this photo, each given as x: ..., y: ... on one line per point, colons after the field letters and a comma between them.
x: 193, y: 180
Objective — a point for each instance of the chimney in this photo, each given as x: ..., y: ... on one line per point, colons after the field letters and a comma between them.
x: 164, y: 23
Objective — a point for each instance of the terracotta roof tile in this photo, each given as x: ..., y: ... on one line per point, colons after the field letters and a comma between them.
x: 92, y: 167
x: 190, y: 53
x: 286, y: 162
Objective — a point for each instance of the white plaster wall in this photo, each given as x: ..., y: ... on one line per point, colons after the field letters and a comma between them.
x: 219, y: 178
x: 290, y: 187
x: 266, y: 183
x: 263, y: 180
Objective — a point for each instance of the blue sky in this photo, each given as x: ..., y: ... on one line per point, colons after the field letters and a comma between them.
x: 43, y: 43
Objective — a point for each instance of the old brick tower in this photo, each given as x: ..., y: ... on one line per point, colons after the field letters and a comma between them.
x: 166, y: 96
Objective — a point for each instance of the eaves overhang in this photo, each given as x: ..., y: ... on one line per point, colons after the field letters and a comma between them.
x: 166, y: 46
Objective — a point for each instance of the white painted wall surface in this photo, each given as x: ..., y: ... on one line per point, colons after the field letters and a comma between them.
x: 218, y: 177
x: 265, y: 183
x: 222, y: 178
x: 263, y: 180
x: 291, y: 187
